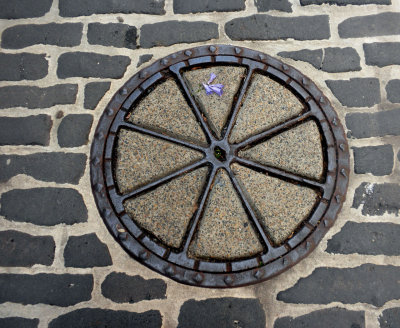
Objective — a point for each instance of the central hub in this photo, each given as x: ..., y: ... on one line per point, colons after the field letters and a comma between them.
x: 220, y: 154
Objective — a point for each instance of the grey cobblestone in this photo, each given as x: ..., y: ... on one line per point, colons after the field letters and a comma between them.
x: 267, y: 5
x: 144, y: 59
x: 382, y: 53
x: 114, y: 35
x: 17, y: 322
x: 94, y: 91
x: 390, y: 318
x: 74, y: 130
x: 377, y: 160
x: 24, y: 8
x: 23, y: 66
x: 345, y: 2
x: 393, y: 91
x: 202, y: 6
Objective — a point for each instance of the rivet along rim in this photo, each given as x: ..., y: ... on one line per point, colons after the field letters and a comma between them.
x: 243, y: 272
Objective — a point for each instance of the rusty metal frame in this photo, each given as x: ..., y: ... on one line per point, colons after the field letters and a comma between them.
x: 175, y: 263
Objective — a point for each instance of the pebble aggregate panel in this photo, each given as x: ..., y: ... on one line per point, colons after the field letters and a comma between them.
x: 280, y: 205
x: 141, y: 159
x: 267, y: 104
x: 166, y: 211
x: 224, y: 231
x: 166, y: 109
x: 297, y: 150
x: 216, y: 108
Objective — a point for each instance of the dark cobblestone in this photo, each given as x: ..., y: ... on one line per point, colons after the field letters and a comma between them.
x: 203, y: 6
x: 371, y: 25
x: 377, y: 160
x: 30, y: 130
x: 265, y: 27
x: 24, y: 8
x: 368, y: 283
x: 366, y: 238
x: 86, y: 251
x: 172, y: 32
x: 99, y: 318
x: 52, y: 289
x: 61, y: 35
x: 20, y: 249
x: 382, y: 53
x: 393, y: 91
x: 121, y: 288
x: 74, y: 8
x: 267, y: 5
x: 327, y: 318
x: 35, y: 97
x: 390, y: 318
x: 115, y: 35
x: 17, y: 322
x: 376, y: 199
x: 94, y: 91
x: 55, y: 167
x: 357, y: 92
x: 23, y: 66
x: 222, y: 313
x: 345, y: 2
x: 144, y: 59
x: 44, y: 206
x: 365, y: 125
x: 88, y: 64
x: 332, y: 60
x: 74, y: 130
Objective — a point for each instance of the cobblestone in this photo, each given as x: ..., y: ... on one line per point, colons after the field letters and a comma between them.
x: 393, y: 91
x: 74, y: 130
x: 114, y: 35
x: 94, y: 92
x: 17, y: 322
x: 23, y: 66
x: 267, y: 5
x: 377, y: 160
x: 382, y: 53
x: 390, y: 318
x: 23, y: 8
x: 203, y: 6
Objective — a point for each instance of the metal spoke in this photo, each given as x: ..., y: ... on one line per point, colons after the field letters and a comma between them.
x: 140, y: 129
x: 196, y: 110
x: 274, y: 130
x: 199, y: 211
x: 162, y: 180
x: 280, y: 173
x: 243, y: 89
x: 249, y: 210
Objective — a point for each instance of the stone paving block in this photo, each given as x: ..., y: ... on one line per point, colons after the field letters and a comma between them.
x: 61, y: 35
x: 24, y: 8
x: 345, y: 2
x: 202, y: 6
x: 366, y: 125
x: 366, y: 238
x: 356, y: 92
x: 36, y: 97
x: 144, y: 59
x: 368, y: 283
x: 23, y: 66
x: 173, y: 32
x: 390, y: 318
x: 382, y: 53
x: 20, y: 249
x: 94, y: 92
x: 53, y: 289
x: 89, y: 64
x: 265, y: 27
x: 370, y: 25
x: 222, y: 313
x: 74, y: 8
x: 44, y: 206
x: 121, y: 288
x: 341, y: 60
x: 86, y: 251
x: 267, y: 5
x: 327, y: 318
x: 114, y: 35
x: 376, y: 199
x: 29, y: 130
x: 377, y: 160
x: 393, y: 91
x: 17, y: 322
x: 74, y: 130
x: 314, y: 57
x: 100, y: 318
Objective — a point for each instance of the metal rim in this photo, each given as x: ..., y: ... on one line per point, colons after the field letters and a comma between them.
x: 177, y: 265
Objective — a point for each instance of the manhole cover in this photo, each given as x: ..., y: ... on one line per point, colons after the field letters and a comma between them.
x: 219, y: 191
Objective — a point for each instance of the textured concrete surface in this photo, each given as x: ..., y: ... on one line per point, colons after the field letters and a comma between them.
x: 280, y: 205
x: 216, y: 108
x: 267, y: 103
x: 297, y: 150
x: 225, y: 231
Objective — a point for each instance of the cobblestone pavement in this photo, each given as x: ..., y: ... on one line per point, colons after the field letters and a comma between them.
x: 60, y: 63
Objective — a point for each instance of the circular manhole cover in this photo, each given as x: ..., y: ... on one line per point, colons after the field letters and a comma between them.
x: 219, y: 191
